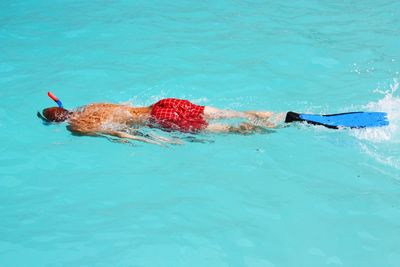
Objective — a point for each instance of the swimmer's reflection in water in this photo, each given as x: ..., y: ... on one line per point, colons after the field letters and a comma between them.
x: 169, y: 114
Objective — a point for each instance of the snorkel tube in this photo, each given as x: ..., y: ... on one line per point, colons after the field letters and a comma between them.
x: 59, y: 104
x: 52, y: 96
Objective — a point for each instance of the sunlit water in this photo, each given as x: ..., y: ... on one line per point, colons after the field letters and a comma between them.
x: 298, y: 196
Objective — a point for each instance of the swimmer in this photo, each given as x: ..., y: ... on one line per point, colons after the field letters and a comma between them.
x: 168, y: 114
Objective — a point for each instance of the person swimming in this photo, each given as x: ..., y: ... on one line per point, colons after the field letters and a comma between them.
x: 170, y: 114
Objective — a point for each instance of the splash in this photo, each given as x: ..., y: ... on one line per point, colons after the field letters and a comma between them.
x: 377, y: 154
x: 382, y: 143
x: 390, y: 103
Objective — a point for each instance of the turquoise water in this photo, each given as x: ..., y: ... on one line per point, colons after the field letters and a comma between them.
x: 300, y: 196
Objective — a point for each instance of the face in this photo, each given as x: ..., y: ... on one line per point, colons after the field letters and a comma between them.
x: 56, y: 114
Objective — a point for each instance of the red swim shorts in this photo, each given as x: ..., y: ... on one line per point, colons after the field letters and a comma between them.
x: 180, y: 115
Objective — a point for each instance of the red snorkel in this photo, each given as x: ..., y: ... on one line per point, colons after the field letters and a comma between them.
x: 50, y: 94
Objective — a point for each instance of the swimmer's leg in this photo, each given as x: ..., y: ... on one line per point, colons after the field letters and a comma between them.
x: 243, y: 128
x: 259, y: 118
x: 215, y: 114
x: 218, y: 128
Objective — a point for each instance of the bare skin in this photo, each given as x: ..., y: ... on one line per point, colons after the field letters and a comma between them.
x: 112, y: 119
x: 266, y: 119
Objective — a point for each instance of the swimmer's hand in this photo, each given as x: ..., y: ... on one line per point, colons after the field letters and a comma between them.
x: 173, y: 141
x: 133, y: 137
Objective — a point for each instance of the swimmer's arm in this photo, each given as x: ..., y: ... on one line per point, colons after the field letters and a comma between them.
x: 133, y: 137
x: 95, y: 130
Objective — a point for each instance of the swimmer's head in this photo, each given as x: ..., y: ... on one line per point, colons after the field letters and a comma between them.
x: 56, y: 114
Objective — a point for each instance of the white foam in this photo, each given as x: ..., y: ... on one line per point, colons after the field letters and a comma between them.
x: 381, y: 157
x: 381, y: 143
x: 390, y: 103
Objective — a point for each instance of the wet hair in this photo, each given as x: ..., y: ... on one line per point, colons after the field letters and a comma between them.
x: 56, y: 114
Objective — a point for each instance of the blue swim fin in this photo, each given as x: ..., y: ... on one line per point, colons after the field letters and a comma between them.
x: 335, y: 121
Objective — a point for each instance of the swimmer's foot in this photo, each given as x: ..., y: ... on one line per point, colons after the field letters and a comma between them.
x: 275, y: 120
